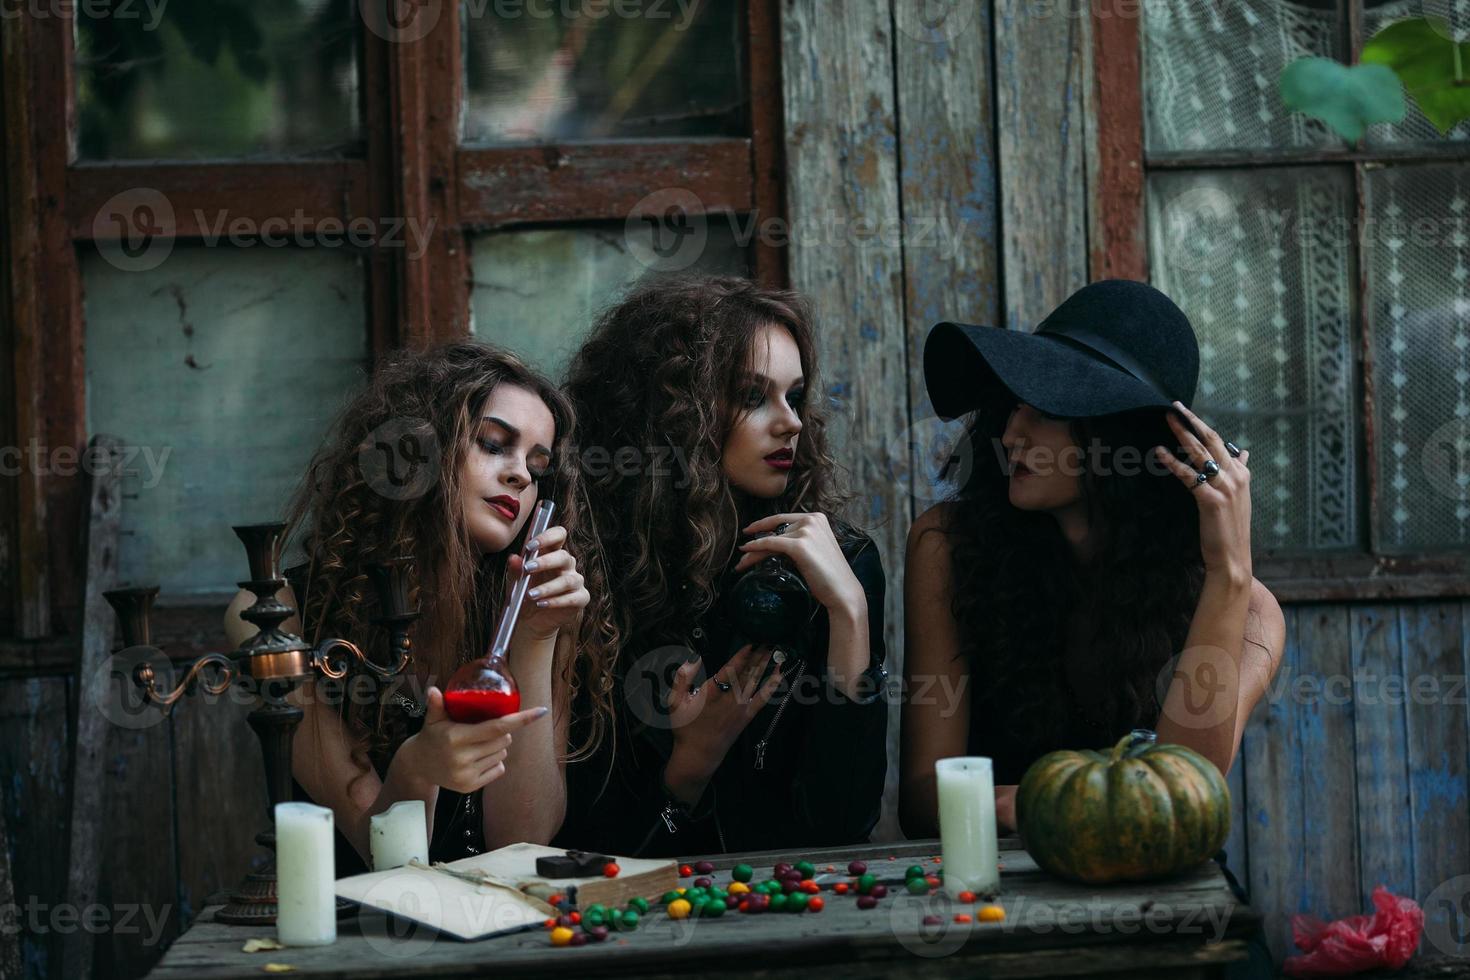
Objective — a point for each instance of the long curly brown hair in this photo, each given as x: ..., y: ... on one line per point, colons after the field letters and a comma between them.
x: 350, y: 512
x: 658, y: 379
x: 1057, y: 641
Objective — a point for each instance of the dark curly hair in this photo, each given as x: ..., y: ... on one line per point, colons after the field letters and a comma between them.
x: 659, y: 378
x: 1057, y: 641
x: 343, y: 522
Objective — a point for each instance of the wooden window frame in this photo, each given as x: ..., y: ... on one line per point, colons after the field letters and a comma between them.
x: 412, y: 167
x: 1118, y: 233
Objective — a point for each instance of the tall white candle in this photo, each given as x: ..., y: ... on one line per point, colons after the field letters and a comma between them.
x: 399, y: 835
x: 306, y: 904
x: 967, y: 825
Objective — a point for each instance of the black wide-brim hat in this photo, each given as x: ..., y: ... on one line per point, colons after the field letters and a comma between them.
x: 1113, y: 346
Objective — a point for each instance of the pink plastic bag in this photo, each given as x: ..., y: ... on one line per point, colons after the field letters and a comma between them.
x: 1387, y: 938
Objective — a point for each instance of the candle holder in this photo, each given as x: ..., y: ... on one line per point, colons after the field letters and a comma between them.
x: 275, y: 662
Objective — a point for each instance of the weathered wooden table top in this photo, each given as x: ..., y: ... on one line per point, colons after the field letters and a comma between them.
x: 1186, y: 926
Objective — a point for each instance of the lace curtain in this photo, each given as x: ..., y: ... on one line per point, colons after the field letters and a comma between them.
x: 1259, y: 261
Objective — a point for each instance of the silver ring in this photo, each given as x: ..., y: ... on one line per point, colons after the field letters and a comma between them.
x: 1210, y: 469
x: 1233, y: 450
x: 782, y: 528
x: 723, y: 686
x: 1200, y: 479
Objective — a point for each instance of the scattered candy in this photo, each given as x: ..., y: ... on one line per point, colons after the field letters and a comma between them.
x: 810, y: 886
x: 704, y: 867
x: 713, y: 910
x: 865, y: 883
x: 840, y: 888
x: 967, y: 897
x: 867, y: 902
x: 936, y: 860
x: 579, y: 939
x: 279, y: 968
x: 789, y: 885
x: 917, y: 886
x: 564, y: 920
x: 679, y: 909
x: 556, y: 899
x: 778, y: 903
x: 962, y: 918
x: 576, y: 918
x: 856, y: 868
x: 640, y: 903
x: 879, y: 891
x: 702, y: 882
x: 780, y: 868
x: 742, y: 873
x: 739, y: 887
x: 933, y: 920
x: 807, y: 869
x: 561, y: 936
x: 933, y: 881
x: 257, y: 945
x: 669, y: 896
x: 597, y: 934
x: 992, y: 913
x: 796, y: 902
x: 550, y: 923
x: 628, y: 922
x: 732, y: 901
x: 610, y: 869
x: 815, y: 904
x: 685, y: 871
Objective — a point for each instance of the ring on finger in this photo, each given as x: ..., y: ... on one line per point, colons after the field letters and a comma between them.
x: 1233, y: 450
x: 1210, y: 469
x: 1200, y: 479
x: 724, y: 686
x: 783, y: 527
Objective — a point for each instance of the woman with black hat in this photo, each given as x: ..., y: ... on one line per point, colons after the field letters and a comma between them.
x: 1092, y: 573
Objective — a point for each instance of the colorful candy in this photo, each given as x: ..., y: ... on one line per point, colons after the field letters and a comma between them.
x: 561, y: 936
x: 679, y: 909
x: 704, y: 867
x: 610, y: 869
x: 867, y: 902
x: 856, y: 868
x: 742, y: 872
x: 992, y: 913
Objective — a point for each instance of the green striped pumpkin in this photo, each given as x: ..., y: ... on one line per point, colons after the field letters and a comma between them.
x: 1141, y: 811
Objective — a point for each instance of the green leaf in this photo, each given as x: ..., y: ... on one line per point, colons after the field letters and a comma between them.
x: 1347, y: 99
x: 1434, y: 69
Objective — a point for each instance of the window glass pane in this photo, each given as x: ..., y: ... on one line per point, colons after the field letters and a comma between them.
x: 1212, y: 67
x: 1261, y: 262
x: 216, y: 78
x: 541, y: 70
x: 537, y: 292
x: 1418, y: 258
x: 224, y: 368
x: 1416, y: 128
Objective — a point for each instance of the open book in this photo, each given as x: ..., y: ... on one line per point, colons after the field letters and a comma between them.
x: 499, y: 892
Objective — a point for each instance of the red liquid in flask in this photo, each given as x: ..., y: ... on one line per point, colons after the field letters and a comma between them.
x: 478, y: 704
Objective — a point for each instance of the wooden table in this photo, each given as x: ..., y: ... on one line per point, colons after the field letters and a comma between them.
x: 1190, y: 926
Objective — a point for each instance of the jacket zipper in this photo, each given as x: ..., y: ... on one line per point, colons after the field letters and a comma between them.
x: 760, y: 747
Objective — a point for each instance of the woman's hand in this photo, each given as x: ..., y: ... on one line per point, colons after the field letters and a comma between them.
x: 1224, y: 501
x: 812, y: 547
x: 557, y: 595
x: 707, y: 720
x: 458, y: 756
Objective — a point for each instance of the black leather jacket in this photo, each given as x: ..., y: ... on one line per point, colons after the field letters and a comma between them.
x: 816, y: 781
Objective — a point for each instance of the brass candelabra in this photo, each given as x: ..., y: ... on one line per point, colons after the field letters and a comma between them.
x: 275, y: 662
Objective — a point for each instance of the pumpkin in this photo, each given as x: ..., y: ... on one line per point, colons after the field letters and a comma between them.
x: 1141, y: 811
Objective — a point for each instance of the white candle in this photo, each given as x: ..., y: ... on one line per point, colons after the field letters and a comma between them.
x: 967, y: 825
x: 306, y: 903
x: 399, y: 835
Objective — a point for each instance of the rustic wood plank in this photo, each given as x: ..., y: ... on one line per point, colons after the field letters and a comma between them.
x: 33, y: 761
x: 1385, y: 835
x: 951, y: 265
x: 1434, y: 672
x: 25, y: 495
x: 206, y: 198
x: 1328, y: 763
x: 62, y: 384
x: 842, y: 175
x: 1275, y: 826
x: 1043, y: 185
x: 767, y: 134
x: 10, y: 919
x: 89, y: 743
x: 1113, y: 85
x: 598, y: 181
